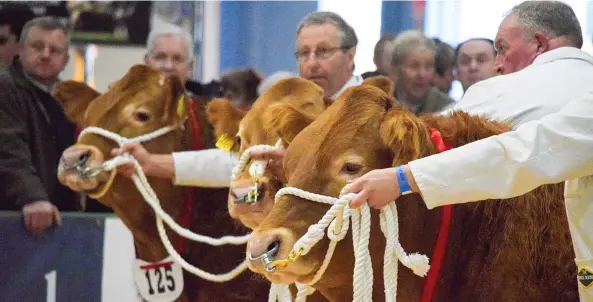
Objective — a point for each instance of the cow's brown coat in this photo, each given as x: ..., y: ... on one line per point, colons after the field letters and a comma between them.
x: 517, y: 249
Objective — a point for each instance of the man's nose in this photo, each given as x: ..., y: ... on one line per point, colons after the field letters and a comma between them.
x: 168, y: 64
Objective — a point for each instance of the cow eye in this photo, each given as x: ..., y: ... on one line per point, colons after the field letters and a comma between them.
x: 142, y: 116
x: 351, y: 168
x: 238, y: 140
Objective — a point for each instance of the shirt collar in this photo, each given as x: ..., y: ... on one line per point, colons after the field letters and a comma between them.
x: 563, y: 53
x: 352, y: 81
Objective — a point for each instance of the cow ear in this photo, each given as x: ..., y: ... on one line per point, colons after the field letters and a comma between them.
x: 174, y: 95
x: 286, y: 121
x: 405, y: 135
x: 75, y: 98
x: 224, y: 118
x: 382, y: 82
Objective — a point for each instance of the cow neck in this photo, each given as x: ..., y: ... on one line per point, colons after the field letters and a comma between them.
x: 145, y: 248
x: 189, y: 193
x: 440, y: 247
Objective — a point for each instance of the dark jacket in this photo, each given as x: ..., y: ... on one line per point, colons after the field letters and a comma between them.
x: 370, y: 74
x: 436, y: 101
x: 33, y: 134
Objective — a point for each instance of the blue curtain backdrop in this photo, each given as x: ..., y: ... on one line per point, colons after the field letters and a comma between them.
x: 396, y: 16
x: 260, y: 34
x: 263, y: 34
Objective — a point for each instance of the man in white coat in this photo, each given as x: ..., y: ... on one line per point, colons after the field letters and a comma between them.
x: 554, y: 148
x: 326, y: 46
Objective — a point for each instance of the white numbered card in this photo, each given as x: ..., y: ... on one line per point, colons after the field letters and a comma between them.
x: 158, y: 281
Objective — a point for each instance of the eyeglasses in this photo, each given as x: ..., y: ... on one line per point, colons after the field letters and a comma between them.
x: 39, y: 47
x: 320, y: 53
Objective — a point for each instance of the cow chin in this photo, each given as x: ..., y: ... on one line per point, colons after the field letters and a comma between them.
x: 295, y: 272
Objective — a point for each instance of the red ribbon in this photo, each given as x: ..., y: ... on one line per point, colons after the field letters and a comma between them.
x: 189, y: 192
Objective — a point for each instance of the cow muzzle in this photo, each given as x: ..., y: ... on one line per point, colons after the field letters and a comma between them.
x: 80, y: 167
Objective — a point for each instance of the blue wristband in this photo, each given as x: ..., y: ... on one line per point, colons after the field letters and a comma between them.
x: 402, y: 180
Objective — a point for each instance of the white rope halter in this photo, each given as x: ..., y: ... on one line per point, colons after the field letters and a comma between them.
x: 278, y: 292
x: 143, y: 186
x: 336, y: 220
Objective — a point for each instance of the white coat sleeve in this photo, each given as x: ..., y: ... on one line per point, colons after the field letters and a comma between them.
x: 210, y: 168
x: 556, y: 148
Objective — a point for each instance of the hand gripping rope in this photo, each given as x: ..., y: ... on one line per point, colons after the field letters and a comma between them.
x: 143, y: 186
x: 336, y: 220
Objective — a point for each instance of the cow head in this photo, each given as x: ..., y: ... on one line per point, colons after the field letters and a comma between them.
x: 139, y: 103
x: 238, y: 130
x: 363, y: 130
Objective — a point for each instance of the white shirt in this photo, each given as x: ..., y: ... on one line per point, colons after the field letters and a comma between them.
x: 546, y: 86
x: 556, y: 148
x: 213, y: 168
x: 209, y: 168
x: 352, y: 81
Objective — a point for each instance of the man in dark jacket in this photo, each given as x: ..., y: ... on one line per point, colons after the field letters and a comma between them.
x: 33, y: 128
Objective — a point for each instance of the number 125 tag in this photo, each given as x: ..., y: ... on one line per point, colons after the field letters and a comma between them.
x: 158, y: 281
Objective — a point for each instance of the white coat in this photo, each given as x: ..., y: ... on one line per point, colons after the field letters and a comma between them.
x: 555, y: 148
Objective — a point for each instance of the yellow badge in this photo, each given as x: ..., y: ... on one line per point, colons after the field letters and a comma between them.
x: 585, y: 277
x: 225, y: 143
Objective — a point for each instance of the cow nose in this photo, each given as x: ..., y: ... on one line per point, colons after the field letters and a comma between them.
x: 76, y: 156
x: 264, y: 245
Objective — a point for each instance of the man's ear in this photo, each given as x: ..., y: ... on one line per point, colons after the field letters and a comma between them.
x: 543, y: 42
x: 224, y: 118
x: 75, y: 98
x: 286, y: 121
x: 406, y: 135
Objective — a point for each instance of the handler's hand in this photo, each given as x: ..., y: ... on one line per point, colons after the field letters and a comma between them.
x: 378, y: 187
x: 139, y: 153
x: 275, y: 159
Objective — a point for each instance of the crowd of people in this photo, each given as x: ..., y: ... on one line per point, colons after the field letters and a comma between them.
x: 533, y: 74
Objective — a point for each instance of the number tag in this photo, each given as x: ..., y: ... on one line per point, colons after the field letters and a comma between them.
x: 158, y: 281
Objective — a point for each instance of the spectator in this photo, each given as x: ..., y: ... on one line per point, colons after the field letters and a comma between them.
x: 444, y: 62
x: 413, y: 63
x: 12, y: 20
x: 240, y: 87
x: 382, y: 57
x: 474, y: 61
x: 33, y: 128
x: 170, y: 50
x: 332, y: 42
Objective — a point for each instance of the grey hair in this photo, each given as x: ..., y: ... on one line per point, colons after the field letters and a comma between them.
x: 554, y: 18
x: 348, y: 37
x: 171, y: 30
x: 410, y: 41
x: 46, y: 23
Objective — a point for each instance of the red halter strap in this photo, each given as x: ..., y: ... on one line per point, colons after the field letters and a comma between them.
x: 441, y: 244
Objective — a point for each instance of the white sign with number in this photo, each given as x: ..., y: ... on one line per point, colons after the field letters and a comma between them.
x: 158, y: 281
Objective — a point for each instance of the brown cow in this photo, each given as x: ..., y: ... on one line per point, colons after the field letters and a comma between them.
x: 141, y: 102
x: 249, y: 129
x: 517, y: 249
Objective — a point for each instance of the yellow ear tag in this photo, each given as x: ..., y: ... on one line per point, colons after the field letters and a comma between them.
x: 225, y: 143
x: 181, y: 106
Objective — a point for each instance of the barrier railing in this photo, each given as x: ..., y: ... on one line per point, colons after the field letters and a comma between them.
x: 88, y: 259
